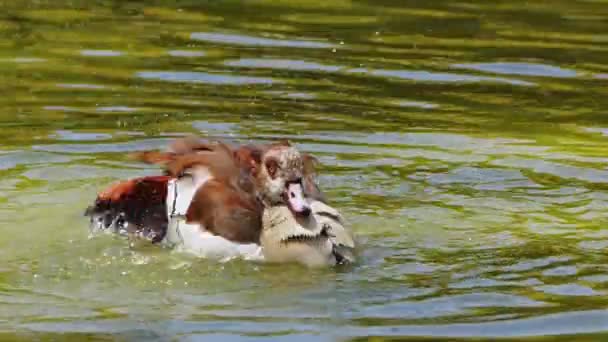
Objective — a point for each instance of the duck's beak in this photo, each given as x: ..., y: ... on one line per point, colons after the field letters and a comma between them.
x: 295, y: 199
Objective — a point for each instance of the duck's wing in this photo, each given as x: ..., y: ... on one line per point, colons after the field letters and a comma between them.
x: 177, y: 148
x: 338, y: 228
x: 223, y: 201
x: 226, y: 211
x: 339, y: 233
x: 190, y: 144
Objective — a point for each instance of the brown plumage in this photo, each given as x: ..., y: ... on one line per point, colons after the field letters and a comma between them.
x: 183, y: 154
x: 226, y: 204
x: 250, y: 195
x: 229, y: 203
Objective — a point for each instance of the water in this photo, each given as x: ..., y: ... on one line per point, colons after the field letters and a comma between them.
x: 465, y: 141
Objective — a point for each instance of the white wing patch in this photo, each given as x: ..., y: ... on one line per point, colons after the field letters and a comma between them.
x: 201, y: 243
x: 193, y: 238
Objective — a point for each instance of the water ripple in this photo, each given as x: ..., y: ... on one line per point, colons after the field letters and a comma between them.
x: 79, y: 136
x: 557, y: 169
x: 567, y: 290
x: 468, y: 155
x: 237, y: 39
x: 566, y: 323
x: 101, y: 53
x: 186, y: 53
x: 285, y: 64
x: 139, y: 145
x: 524, y: 69
x: 203, y: 77
x: 80, y: 86
x: 446, y: 306
x: 13, y: 159
x: 429, y: 76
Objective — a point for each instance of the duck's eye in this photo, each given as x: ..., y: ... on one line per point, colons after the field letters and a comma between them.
x: 272, y: 166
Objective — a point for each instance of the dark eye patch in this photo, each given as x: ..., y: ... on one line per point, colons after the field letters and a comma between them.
x: 272, y: 165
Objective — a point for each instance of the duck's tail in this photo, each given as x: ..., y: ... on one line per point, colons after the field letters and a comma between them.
x: 132, y: 207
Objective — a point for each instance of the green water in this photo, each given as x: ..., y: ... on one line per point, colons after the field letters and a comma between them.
x: 466, y: 141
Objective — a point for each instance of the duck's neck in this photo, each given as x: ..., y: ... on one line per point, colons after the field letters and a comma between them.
x: 265, y: 201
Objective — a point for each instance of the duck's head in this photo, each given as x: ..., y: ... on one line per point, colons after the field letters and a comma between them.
x: 278, y: 173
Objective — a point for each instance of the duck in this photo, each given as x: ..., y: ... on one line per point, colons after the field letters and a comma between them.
x: 256, y: 202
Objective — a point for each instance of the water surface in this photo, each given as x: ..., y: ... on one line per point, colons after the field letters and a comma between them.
x: 465, y: 141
